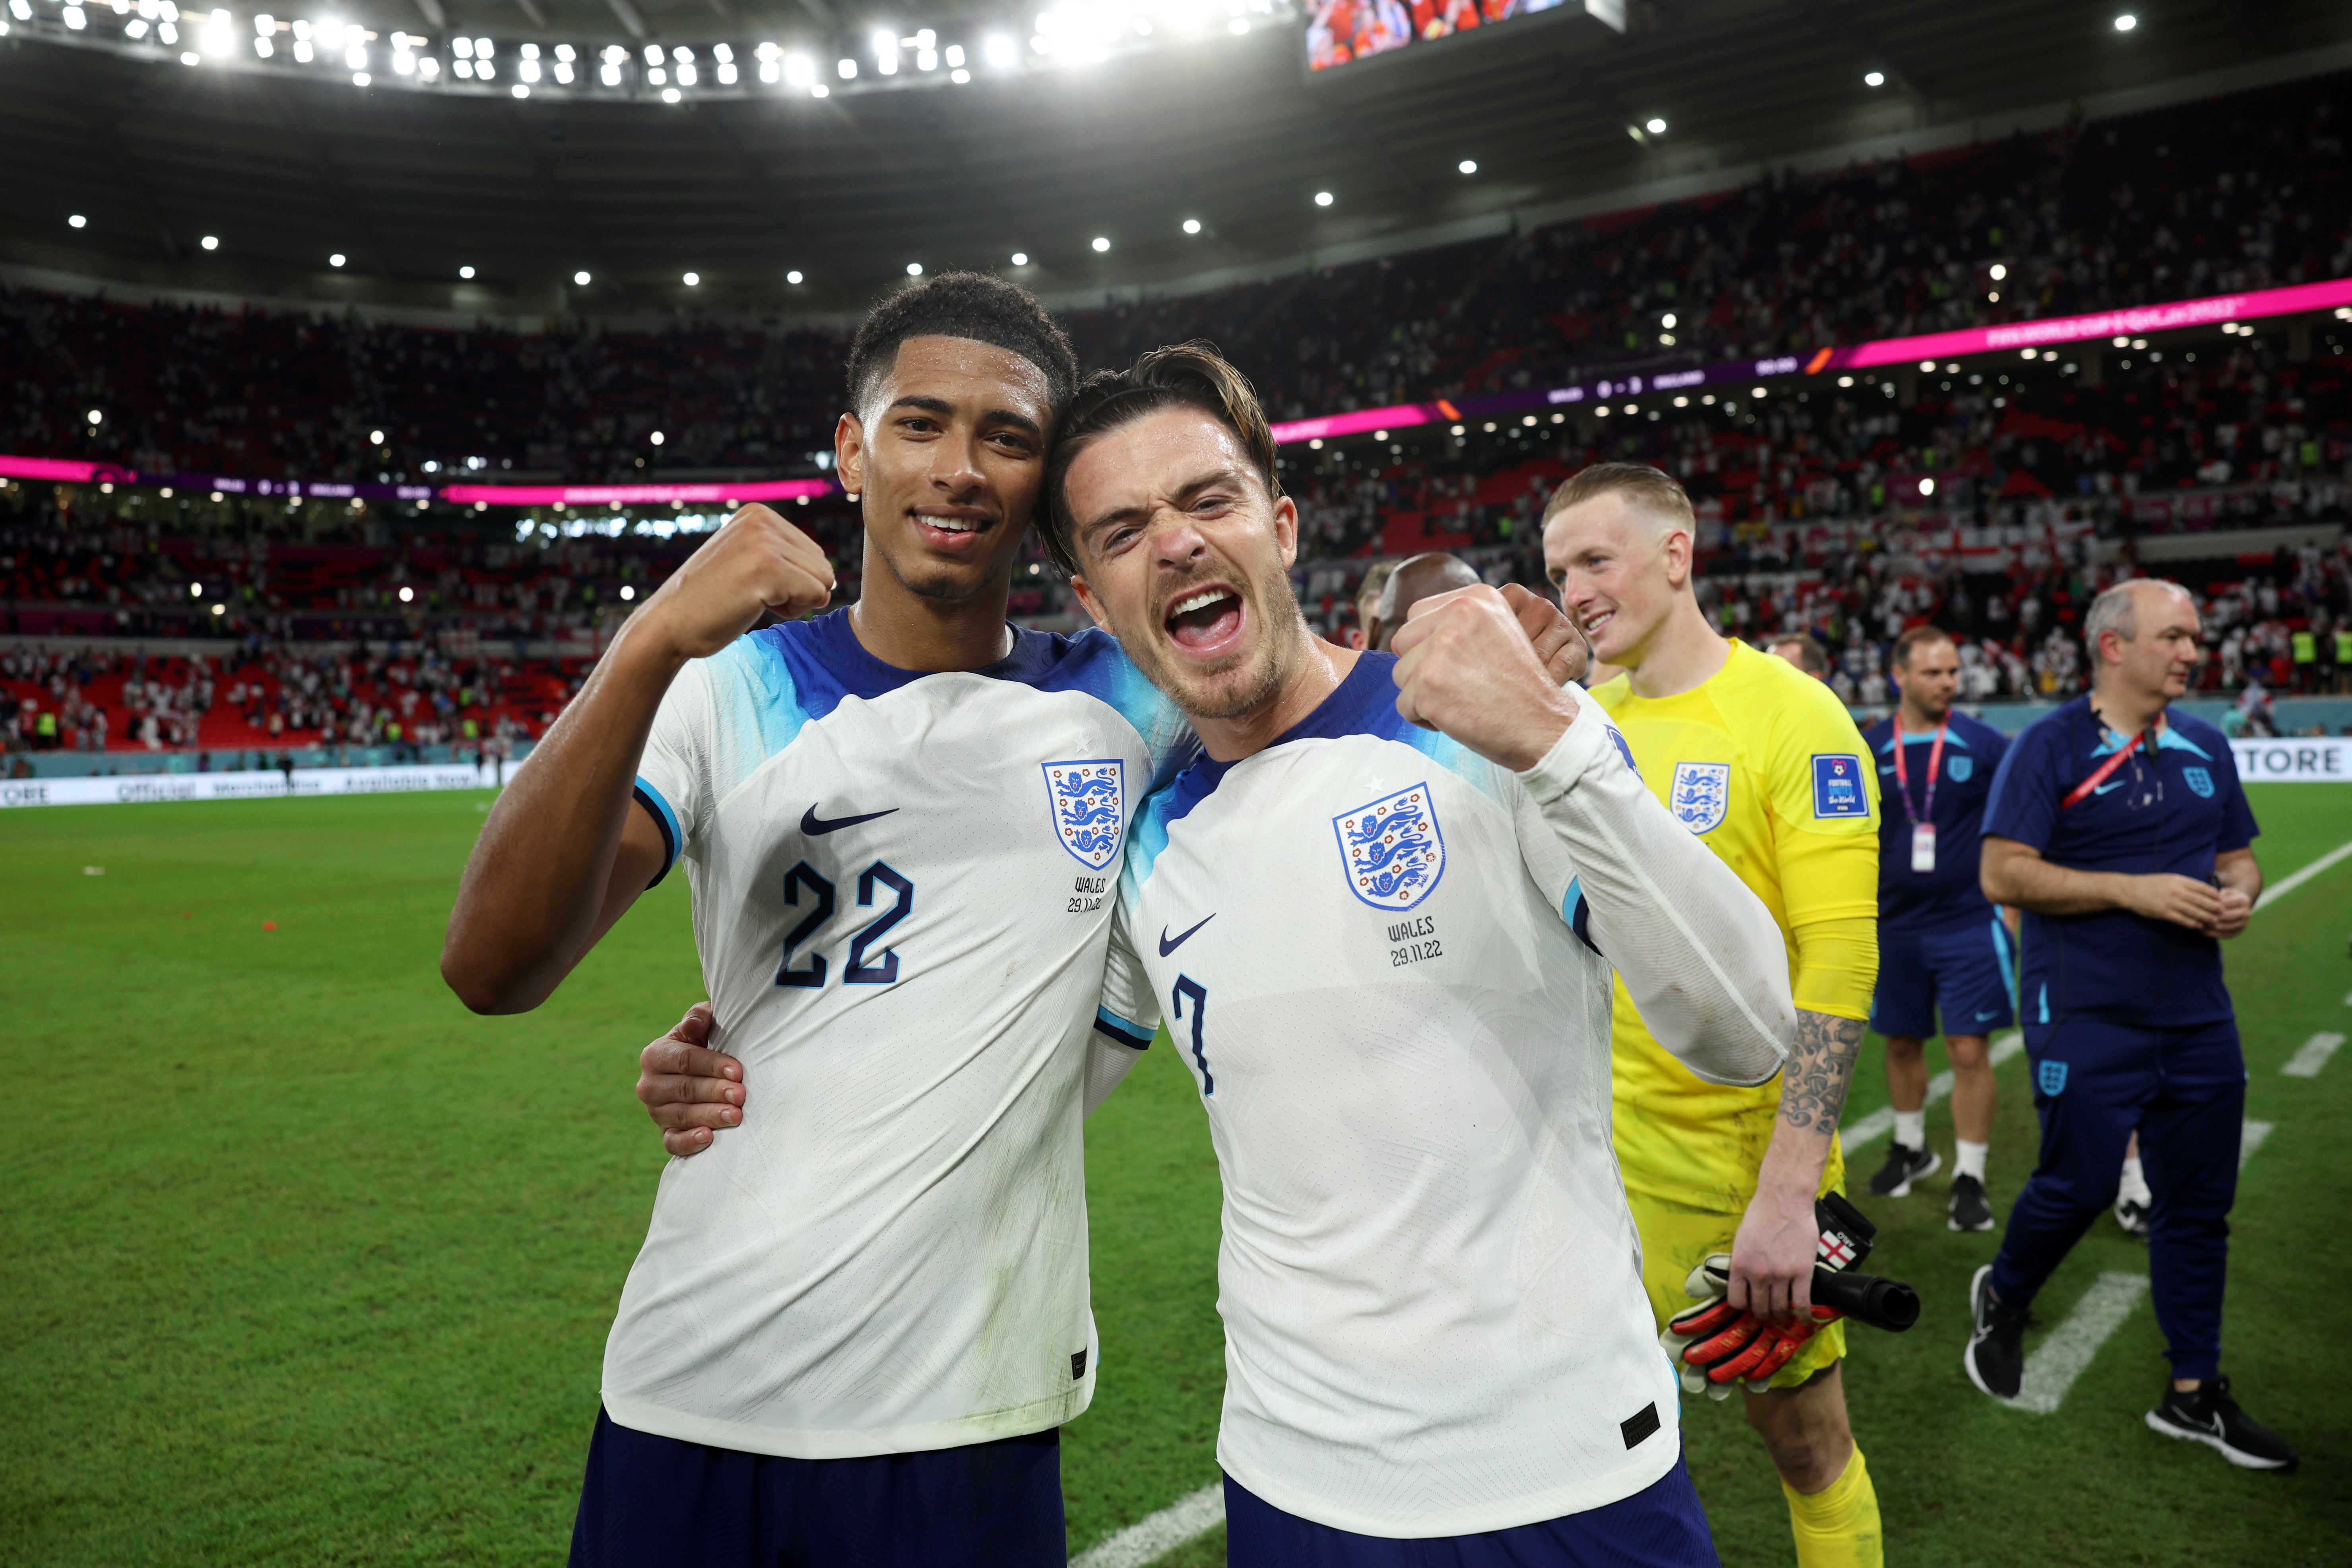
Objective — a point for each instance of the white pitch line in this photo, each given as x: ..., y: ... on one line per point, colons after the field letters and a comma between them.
x: 2289, y: 883
x: 1152, y: 1538
x: 2306, y: 1062
x: 2060, y: 1359
x: 1869, y: 1129
x: 2251, y: 1138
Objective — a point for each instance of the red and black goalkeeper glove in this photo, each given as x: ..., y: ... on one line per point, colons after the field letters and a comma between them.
x: 1714, y: 1346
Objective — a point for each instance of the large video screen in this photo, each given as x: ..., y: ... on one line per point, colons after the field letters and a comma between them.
x: 1345, y: 31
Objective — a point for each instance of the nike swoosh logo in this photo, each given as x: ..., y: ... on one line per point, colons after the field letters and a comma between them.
x: 2106, y: 787
x: 813, y: 825
x: 1982, y: 1016
x: 1167, y: 947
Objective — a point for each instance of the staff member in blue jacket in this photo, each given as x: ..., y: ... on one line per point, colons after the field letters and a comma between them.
x: 1940, y: 944
x: 2121, y: 831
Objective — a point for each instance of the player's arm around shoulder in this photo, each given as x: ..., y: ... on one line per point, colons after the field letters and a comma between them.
x: 1699, y: 952
x: 564, y: 851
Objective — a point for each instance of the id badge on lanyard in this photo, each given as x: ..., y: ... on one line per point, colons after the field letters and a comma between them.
x: 1923, y: 828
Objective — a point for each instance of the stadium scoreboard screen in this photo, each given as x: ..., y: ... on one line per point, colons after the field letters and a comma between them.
x: 1342, y: 32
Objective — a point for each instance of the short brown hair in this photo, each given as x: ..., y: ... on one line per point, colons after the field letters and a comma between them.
x: 1811, y: 656
x: 1652, y: 488
x: 1181, y: 376
x: 1918, y: 637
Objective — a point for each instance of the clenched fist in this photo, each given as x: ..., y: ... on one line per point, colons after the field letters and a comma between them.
x: 757, y: 565
x: 1465, y: 667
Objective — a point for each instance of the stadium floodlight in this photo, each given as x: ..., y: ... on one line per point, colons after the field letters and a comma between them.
x: 1928, y: 365
x: 820, y: 90
x: 337, y: 259
x: 484, y: 48
x: 885, y: 50
x: 580, y: 279
x: 1996, y: 272
x: 693, y: 279
x: 190, y: 58
x: 1874, y: 78
x: 210, y: 242
x: 658, y: 437
x: 196, y: 590
x: 671, y: 95
x: 792, y: 277
x: 407, y: 593
x: 22, y: 11
x: 2127, y: 22
x: 1322, y: 198
x: 627, y: 592
x: 1667, y: 320
x: 465, y: 272
x: 848, y: 69
x: 1314, y: 445
x: 360, y: 78
x: 96, y: 416
x: 610, y: 75
x: 1238, y: 26
x: 1020, y: 259
x: 1654, y: 126
x: 75, y: 19
x: 1000, y: 50
x: 800, y: 70
x: 960, y: 76
x: 914, y: 270
x: 77, y: 221
x: 375, y: 437
x: 520, y: 90
x: 1468, y: 165
x: 955, y: 56
x: 1926, y: 487
x: 1102, y: 245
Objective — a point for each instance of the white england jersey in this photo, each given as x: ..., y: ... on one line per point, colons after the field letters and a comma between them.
x: 1368, y: 945
x: 902, y: 896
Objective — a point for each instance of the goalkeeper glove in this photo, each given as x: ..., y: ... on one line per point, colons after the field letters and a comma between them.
x: 1713, y: 1345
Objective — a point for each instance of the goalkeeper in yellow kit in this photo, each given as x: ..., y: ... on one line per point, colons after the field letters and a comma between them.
x: 1764, y: 763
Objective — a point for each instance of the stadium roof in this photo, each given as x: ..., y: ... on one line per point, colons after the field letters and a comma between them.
x: 741, y: 187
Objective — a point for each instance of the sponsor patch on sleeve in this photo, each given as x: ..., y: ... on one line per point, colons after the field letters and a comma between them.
x: 1837, y: 786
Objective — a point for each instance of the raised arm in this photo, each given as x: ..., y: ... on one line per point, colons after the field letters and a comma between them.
x: 565, y: 850
x: 1698, y: 952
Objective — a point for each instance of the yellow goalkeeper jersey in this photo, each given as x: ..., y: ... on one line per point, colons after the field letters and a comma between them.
x: 1764, y: 763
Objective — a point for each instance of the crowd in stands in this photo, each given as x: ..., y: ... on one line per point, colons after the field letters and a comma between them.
x: 265, y: 697
x: 2242, y: 192
x: 1993, y: 499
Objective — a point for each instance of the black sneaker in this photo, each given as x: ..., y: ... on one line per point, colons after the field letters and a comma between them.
x: 1903, y: 1167
x: 1969, y: 1210
x: 1995, y: 1358
x: 2207, y: 1415
x: 2132, y: 1214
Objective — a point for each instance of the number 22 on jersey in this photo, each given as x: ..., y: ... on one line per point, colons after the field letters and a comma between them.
x: 859, y: 971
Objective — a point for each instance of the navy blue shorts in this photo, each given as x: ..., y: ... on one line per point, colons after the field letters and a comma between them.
x: 653, y: 1502
x: 1966, y: 970
x: 1661, y: 1526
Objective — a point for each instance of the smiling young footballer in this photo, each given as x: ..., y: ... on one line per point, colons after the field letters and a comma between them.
x: 1763, y: 765
x: 1374, y: 916
x: 857, y: 1323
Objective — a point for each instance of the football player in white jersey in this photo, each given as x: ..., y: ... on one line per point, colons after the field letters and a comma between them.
x: 858, y: 1322
x: 1380, y: 916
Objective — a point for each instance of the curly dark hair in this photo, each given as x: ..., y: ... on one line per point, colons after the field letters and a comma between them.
x: 1179, y: 375
x: 963, y: 305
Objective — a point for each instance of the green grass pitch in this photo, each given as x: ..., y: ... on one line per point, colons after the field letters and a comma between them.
x: 303, y: 1264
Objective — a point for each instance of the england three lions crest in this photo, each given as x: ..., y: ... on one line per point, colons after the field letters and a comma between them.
x: 1088, y: 800
x: 1392, y: 849
x: 1702, y: 794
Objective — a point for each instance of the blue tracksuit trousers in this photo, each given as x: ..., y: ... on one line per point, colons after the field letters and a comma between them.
x: 2184, y: 1090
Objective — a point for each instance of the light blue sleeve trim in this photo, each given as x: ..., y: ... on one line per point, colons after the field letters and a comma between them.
x: 666, y: 820
x: 1126, y: 1031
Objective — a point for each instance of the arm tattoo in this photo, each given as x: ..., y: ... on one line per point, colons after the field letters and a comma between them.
x: 1813, y: 1084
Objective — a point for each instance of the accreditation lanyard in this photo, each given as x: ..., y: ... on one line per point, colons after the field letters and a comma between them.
x: 1923, y: 826
x: 2099, y: 776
